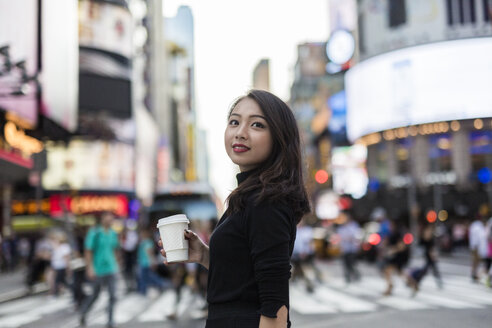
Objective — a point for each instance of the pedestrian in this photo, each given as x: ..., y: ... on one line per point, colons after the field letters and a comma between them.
x: 146, y: 264
x: 488, y: 260
x: 249, y: 252
x: 350, y: 237
x: 101, y: 246
x: 431, y: 253
x: 478, y: 245
x: 303, y: 251
x: 78, y: 268
x: 60, y: 259
x: 40, y: 263
x: 129, y: 243
x: 416, y: 274
x: 395, y: 256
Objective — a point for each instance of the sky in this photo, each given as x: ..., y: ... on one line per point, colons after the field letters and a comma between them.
x: 231, y: 36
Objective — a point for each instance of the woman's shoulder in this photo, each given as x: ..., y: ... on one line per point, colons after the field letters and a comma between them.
x: 269, y: 209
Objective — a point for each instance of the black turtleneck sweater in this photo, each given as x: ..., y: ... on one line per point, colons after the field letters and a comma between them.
x: 250, y: 257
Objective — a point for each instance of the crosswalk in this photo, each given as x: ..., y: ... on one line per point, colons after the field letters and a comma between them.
x: 330, y: 297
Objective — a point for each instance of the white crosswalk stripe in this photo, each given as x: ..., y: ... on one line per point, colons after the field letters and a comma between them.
x: 366, y: 295
x: 332, y: 296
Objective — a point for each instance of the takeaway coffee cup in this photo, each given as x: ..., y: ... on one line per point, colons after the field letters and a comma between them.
x: 171, y: 229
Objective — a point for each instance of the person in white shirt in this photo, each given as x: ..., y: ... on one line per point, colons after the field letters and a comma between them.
x: 478, y: 245
x: 60, y: 259
x: 303, y: 253
x: 350, y: 234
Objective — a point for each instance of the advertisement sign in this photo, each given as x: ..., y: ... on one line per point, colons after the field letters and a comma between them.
x: 106, y: 50
x: 442, y: 81
x: 349, y: 170
x: 87, y: 204
x: 60, y: 65
x: 146, y: 158
x: 386, y: 25
x: 90, y: 165
x: 59, y: 205
x: 105, y: 26
x: 18, y: 58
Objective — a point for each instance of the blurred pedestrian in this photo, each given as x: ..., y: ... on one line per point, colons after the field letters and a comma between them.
x: 129, y: 244
x: 478, y: 245
x: 302, y: 253
x: 147, y: 264
x: 78, y: 268
x: 41, y: 261
x: 431, y: 253
x: 350, y: 239
x: 488, y: 263
x: 101, y: 246
x: 250, y: 249
x: 416, y: 274
x: 394, y: 258
x: 60, y: 259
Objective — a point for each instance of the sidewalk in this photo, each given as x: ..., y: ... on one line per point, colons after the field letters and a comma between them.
x: 12, y: 286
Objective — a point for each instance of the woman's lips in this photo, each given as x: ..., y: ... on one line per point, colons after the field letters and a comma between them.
x: 238, y: 148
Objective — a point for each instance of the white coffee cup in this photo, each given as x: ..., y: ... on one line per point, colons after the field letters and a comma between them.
x: 171, y: 229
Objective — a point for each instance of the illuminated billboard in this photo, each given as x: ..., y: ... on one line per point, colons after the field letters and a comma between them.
x: 90, y: 165
x: 105, y: 26
x: 435, y: 82
x: 60, y: 62
x: 105, y: 58
x: 387, y: 25
x: 19, y: 58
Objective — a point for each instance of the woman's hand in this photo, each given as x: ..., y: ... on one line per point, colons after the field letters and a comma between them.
x: 197, y: 251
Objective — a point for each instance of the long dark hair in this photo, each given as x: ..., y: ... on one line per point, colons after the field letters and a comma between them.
x: 280, y: 177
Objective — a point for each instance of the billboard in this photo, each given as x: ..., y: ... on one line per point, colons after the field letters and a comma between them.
x: 106, y: 49
x: 349, y: 170
x: 147, y: 146
x: 386, y: 25
x: 105, y: 26
x: 19, y: 58
x: 90, y: 165
x: 435, y: 82
x: 60, y: 62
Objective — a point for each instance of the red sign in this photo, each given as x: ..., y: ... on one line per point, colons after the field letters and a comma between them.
x: 87, y: 204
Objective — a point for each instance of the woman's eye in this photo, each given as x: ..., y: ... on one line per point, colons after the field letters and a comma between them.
x: 258, y: 125
x: 233, y: 122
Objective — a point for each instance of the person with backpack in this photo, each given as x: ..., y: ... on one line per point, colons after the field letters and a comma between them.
x: 101, y: 247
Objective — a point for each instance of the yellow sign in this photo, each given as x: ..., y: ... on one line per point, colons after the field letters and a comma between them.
x: 30, y: 207
x: 18, y: 139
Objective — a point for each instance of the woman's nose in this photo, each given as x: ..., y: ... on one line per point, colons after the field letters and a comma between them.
x: 241, y: 132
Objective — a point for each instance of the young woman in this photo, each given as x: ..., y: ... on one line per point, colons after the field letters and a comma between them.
x: 249, y: 253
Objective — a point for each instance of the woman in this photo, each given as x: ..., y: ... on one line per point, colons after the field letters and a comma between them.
x: 249, y: 253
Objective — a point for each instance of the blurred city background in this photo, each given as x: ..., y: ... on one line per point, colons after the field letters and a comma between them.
x: 118, y: 106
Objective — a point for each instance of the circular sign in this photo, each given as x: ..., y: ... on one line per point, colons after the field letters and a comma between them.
x: 340, y: 47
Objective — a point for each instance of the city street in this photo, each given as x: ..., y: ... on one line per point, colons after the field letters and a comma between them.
x: 460, y: 303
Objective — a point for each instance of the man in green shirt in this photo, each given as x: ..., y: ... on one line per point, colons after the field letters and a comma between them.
x: 101, y: 245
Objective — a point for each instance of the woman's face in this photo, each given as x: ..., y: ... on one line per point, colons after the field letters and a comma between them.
x: 248, y: 140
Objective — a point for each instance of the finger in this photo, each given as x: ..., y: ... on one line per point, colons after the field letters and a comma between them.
x: 159, y: 243
x: 189, y: 234
x: 163, y: 252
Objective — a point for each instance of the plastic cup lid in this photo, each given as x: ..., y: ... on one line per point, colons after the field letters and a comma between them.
x: 178, y: 218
